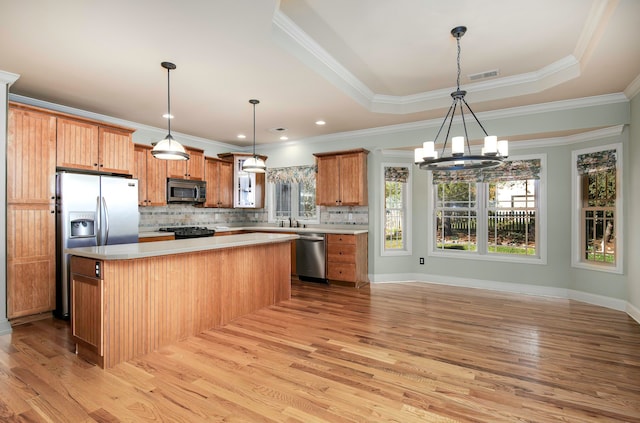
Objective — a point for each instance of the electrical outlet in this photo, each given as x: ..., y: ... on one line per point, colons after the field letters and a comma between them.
x: 350, y: 217
x: 421, y: 260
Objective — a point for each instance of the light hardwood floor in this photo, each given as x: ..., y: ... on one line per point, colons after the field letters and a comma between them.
x: 391, y: 352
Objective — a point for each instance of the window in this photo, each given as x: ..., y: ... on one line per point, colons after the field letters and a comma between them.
x: 397, y: 209
x: 597, y: 209
x: 292, y: 194
x: 489, y: 214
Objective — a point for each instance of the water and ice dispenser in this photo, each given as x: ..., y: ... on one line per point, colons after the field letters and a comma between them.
x: 82, y: 224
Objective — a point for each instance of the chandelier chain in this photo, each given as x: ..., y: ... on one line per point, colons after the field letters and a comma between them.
x: 458, y: 60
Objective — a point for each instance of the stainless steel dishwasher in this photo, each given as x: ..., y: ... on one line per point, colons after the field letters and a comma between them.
x: 310, y: 257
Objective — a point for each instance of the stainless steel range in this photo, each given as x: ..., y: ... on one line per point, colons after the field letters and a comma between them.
x: 184, y: 232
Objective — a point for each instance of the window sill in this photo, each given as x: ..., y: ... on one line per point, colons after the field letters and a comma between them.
x: 598, y: 267
x: 493, y: 257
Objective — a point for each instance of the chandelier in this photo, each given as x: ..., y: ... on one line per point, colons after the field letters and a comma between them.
x: 493, y: 153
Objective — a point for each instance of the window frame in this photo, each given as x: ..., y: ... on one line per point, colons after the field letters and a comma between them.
x: 271, y: 203
x: 481, y: 252
x: 407, y: 250
x: 576, y: 213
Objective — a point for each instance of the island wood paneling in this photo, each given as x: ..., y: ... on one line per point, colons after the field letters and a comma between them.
x: 152, y: 302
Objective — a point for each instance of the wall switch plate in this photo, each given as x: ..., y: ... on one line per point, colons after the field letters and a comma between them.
x: 421, y: 260
x: 350, y: 217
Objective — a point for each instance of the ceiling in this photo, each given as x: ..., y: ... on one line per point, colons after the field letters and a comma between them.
x: 355, y: 64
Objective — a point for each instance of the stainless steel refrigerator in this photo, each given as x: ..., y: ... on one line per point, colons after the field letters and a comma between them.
x: 91, y: 210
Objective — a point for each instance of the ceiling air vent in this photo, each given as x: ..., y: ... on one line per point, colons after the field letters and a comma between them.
x: 484, y: 75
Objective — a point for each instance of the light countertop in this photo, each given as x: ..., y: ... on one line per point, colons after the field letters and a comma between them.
x: 161, y: 248
x: 279, y: 229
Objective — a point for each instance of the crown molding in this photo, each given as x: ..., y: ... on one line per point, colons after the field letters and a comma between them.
x: 306, y: 49
x: 8, y: 77
x: 633, y: 89
x: 295, y: 40
x: 601, y: 100
x: 596, y: 134
x: 127, y: 123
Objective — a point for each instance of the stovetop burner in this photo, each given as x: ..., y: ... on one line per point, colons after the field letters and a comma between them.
x: 183, y: 232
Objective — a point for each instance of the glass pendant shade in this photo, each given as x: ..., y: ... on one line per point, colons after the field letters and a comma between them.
x: 169, y: 149
x: 254, y: 165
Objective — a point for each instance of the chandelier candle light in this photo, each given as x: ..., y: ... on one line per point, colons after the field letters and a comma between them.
x: 168, y: 148
x: 254, y: 164
x: 493, y: 153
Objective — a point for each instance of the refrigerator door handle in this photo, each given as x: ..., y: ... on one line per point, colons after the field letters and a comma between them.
x: 98, y: 222
x: 106, y: 221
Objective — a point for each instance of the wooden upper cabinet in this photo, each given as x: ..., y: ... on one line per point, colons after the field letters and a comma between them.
x: 77, y: 145
x: 342, y: 178
x: 219, y: 176
x: 31, y: 157
x: 187, y: 169
x: 89, y: 146
x: 152, y: 177
x: 248, y: 188
x: 115, y: 150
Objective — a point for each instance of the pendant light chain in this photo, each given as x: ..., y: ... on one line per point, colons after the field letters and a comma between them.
x: 254, y: 130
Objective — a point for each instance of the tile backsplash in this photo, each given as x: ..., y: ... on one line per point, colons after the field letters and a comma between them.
x: 152, y: 218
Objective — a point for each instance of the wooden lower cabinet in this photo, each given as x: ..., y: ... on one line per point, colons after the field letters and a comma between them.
x: 31, y: 259
x: 87, y: 293
x: 137, y: 306
x: 347, y: 262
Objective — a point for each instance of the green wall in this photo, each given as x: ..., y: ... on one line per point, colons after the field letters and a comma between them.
x: 633, y: 208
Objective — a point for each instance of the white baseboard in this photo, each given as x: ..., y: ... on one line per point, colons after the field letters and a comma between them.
x: 516, y: 288
x: 633, y: 312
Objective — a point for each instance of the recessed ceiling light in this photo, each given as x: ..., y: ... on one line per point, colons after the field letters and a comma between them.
x: 284, y: 138
x: 167, y: 116
x: 242, y: 136
x: 320, y: 122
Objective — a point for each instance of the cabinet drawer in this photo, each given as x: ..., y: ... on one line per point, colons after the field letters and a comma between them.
x: 341, y: 253
x: 341, y: 271
x: 86, y: 266
x: 340, y: 239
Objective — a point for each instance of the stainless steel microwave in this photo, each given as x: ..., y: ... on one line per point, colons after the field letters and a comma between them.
x: 186, y: 191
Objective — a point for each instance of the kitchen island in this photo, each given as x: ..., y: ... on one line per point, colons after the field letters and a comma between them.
x: 128, y: 300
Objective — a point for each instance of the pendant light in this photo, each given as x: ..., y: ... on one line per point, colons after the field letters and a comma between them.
x: 168, y: 148
x: 254, y: 164
x: 493, y: 153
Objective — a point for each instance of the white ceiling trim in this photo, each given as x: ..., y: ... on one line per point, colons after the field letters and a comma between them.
x: 633, y: 89
x: 483, y: 116
x: 193, y: 140
x: 296, y: 41
x: 301, y: 45
x: 8, y: 77
x: 596, y: 134
x: 527, y: 83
